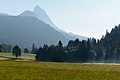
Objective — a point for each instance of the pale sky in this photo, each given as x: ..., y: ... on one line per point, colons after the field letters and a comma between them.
x: 89, y: 18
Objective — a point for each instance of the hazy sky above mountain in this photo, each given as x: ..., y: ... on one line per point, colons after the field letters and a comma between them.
x: 84, y: 17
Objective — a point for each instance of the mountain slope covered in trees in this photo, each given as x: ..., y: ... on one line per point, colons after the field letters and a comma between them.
x: 107, y: 49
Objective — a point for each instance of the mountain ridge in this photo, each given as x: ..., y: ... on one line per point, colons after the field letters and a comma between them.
x: 42, y: 15
x: 13, y: 26
x: 25, y: 31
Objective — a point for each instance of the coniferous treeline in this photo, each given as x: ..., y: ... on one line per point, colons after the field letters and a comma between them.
x: 107, y: 49
x: 109, y: 46
x: 75, y: 51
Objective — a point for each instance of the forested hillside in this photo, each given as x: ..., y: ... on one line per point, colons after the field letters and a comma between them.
x: 107, y: 49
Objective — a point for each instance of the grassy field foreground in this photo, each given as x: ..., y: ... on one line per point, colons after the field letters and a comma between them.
x: 24, y: 70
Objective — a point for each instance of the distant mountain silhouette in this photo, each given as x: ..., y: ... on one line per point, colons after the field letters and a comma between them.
x: 32, y: 27
x: 42, y: 15
x: 28, y: 30
x: 27, y: 13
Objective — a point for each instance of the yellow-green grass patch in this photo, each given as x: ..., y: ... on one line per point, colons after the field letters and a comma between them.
x: 19, y: 70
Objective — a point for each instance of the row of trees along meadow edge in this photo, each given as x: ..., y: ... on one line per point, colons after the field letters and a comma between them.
x: 8, y: 48
x: 107, y: 49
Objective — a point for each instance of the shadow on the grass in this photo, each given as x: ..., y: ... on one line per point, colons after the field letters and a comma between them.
x: 14, y: 59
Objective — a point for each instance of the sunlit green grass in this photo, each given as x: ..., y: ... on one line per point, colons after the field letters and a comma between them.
x: 24, y: 56
x: 19, y: 70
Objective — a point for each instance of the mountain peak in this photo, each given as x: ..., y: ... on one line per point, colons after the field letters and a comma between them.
x: 37, y: 8
x: 42, y: 15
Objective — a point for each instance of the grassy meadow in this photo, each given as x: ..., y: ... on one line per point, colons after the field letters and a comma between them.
x: 24, y: 70
x: 24, y: 56
x: 31, y: 70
